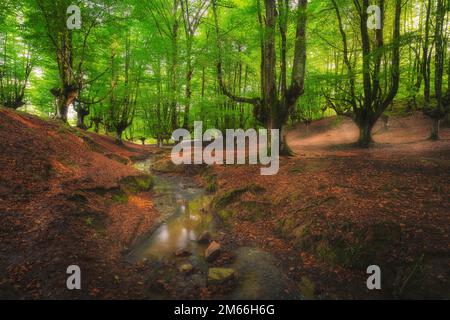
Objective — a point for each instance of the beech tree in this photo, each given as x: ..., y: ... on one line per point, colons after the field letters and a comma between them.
x: 438, y: 110
x: 278, y: 98
x: 366, y: 106
x: 17, y: 57
x: 231, y: 64
x: 70, y: 45
x: 126, y: 77
x: 193, y: 13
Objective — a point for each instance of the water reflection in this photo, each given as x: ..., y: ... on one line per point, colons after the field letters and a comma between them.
x: 185, y: 204
x: 260, y: 275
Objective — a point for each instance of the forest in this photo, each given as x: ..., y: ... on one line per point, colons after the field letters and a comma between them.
x: 91, y: 92
x: 141, y: 69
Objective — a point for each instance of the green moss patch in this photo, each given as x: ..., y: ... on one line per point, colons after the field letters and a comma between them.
x: 167, y: 166
x: 136, y: 184
x: 96, y: 222
x: 365, y: 247
x: 117, y: 158
x: 119, y: 196
x: 254, y: 210
x: 227, y: 198
x: 212, y: 185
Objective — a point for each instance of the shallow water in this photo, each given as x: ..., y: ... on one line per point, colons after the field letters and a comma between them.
x: 183, y: 206
x: 184, y: 210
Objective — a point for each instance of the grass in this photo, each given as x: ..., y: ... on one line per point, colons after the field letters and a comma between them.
x: 212, y: 185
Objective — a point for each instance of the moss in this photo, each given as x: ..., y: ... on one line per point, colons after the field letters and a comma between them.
x: 96, y: 222
x: 89, y: 221
x: 224, y: 216
x: 102, y: 191
x: 63, y: 128
x: 227, y: 198
x: 370, y: 244
x: 325, y: 252
x: 119, y: 197
x: 254, y: 210
x: 297, y: 230
x: 212, y: 185
x: 91, y: 144
x: 220, y: 275
x: 339, y: 252
x: 117, y: 158
x: 307, y: 288
x: 200, y: 204
x: 231, y: 196
x: 297, y: 169
x: 136, y: 184
x: 167, y: 166
x: 76, y: 132
x: 362, y: 248
x: 286, y: 226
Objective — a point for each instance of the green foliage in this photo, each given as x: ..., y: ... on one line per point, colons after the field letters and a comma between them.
x: 137, y: 59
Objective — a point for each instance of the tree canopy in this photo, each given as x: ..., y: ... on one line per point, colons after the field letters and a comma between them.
x: 141, y: 69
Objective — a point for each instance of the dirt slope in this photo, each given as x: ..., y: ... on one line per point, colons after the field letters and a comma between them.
x: 61, y: 204
x: 331, y: 211
x: 334, y: 209
x: 404, y: 137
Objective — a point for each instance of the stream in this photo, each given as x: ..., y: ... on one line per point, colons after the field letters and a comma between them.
x: 183, y: 206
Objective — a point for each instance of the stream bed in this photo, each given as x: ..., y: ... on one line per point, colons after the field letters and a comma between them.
x: 183, y: 207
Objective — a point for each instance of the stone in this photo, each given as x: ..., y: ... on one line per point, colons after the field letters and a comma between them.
x: 182, y: 253
x: 213, y: 251
x: 198, y: 281
x: 220, y: 275
x: 307, y: 288
x: 205, y: 237
x: 186, y: 268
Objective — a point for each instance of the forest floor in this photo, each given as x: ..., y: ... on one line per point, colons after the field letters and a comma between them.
x: 64, y: 201
x: 332, y: 210
x: 335, y: 209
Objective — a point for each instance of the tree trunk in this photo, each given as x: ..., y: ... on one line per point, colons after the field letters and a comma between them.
x: 174, y: 68
x: 81, y: 114
x: 273, y: 108
x: 188, y: 96
x: 119, y: 133
x: 365, y: 134
x: 385, y: 119
x: 65, y: 97
x: 285, y: 150
x: 426, y: 67
x: 189, y: 74
x: 436, y: 123
x: 62, y: 110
